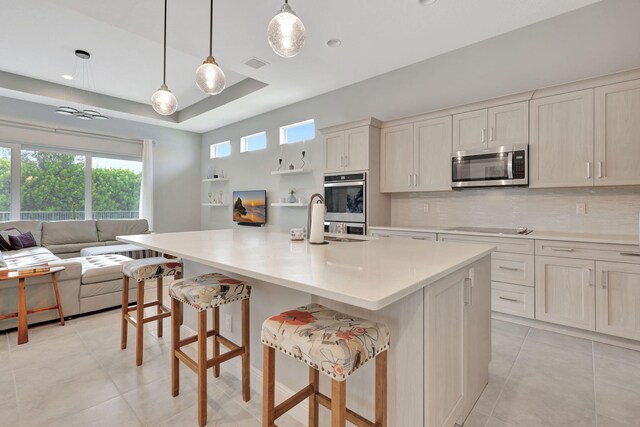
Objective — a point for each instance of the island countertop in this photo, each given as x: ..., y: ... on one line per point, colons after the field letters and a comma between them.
x: 371, y: 273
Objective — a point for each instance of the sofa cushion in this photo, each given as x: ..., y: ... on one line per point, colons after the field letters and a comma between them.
x: 101, y: 268
x: 5, y: 239
x: 68, y: 232
x: 22, y: 241
x: 72, y: 247
x: 108, y: 229
x: 37, y: 250
x: 28, y: 257
x: 88, y: 290
x: 35, y: 227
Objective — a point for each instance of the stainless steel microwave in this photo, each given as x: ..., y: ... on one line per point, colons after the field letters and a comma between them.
x: 492, y: 167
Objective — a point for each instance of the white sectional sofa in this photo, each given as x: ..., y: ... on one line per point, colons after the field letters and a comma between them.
x: 87, y: 284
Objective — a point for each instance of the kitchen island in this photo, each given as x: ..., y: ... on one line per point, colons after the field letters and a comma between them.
x: 434, y: 297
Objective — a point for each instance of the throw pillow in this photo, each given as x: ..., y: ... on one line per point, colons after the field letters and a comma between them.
x: 5, y: 245
x: 22, y: 241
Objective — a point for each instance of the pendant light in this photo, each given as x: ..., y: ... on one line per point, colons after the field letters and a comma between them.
x: 163, y: 101
x: 286, y: 32
x: 86, y: 84
x: 209, y: 76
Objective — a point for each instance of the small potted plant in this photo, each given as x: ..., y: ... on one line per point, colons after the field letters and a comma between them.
x: 292, y: 196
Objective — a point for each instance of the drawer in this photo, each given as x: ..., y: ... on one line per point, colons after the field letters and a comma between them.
x: 629, y: 254
x: 512, y: 299
x: 512, y: 268
x: 399, y: 233
x: 502, y: 244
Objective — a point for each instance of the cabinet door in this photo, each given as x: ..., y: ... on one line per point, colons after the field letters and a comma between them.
x: 618, y: 299
x: 470, y: 130
x: 396, y: 158
x: 334, y: 152
x: 356, y: 149
x: 509, y: 124
x: 561, y: 144
x: 617, y: 146
x: 432, y: 154
x: 565, y: 292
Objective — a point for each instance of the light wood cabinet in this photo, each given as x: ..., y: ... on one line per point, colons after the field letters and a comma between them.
x: 513, y: 299
x: 565, y: 291
x: 348, y: 150
x: 617, y: 134
x: 470, y: 130
x: 334, y: 152
x: 561, y: 143
x: 493, y: 127
x: 618, y: 299
x: 416, y: 235
x: 396, y: 158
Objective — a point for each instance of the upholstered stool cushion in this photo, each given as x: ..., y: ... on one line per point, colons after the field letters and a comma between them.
x: 151, y: 268
x: 209, y: 290
x: 332, y: 342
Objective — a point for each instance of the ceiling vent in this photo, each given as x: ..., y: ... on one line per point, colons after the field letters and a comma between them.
x: 255, y: 63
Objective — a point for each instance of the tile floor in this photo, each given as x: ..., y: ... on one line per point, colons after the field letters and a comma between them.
x: 77, y: 376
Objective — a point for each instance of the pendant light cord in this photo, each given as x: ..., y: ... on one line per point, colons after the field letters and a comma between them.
x: 211, y: 31
x: 164, y: 66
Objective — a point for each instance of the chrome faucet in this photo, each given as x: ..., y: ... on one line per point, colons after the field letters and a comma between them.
x: 312, y: 200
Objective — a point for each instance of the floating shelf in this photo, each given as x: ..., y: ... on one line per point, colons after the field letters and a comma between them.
x: 291, y: 171
x: 291, y: 205
x: 215, y: 179
x: 214, y: 204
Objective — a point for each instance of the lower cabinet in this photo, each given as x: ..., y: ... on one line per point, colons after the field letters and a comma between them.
x: 618, y: 299
x: 517, y: 300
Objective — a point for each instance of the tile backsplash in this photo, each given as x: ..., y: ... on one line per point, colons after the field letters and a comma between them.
x: 609, y: 210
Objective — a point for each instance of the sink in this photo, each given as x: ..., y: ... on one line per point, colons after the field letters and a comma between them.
x: 342, y: 239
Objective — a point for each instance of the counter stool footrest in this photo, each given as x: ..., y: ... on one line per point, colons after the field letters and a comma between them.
x: 131, y: 319
x: 38, y: 310
x: 288, y: 404
x: 182, y: 356
x: 194, y: 338
x: 146, y: 305
x: 352, y: 417
x: 224, y: 357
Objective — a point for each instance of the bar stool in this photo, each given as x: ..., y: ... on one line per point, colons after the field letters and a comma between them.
x: 141, y: 270
x: 330, y: 342
x: 203, y: 292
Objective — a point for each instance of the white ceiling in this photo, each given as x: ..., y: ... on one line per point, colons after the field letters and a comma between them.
x: 38, y: 37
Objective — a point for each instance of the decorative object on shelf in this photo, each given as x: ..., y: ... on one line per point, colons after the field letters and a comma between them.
x: 210, y: 172
x: 297, y: 234
x: 209, y: 76
x: 291, y: 167
x: 279, y: 164
x: 221, y: 201
x: 221, y: 173
x: 87, y: 74
x: 163, y: 101
x: 286, y: 32
x: 302, y: 158
x: 292, y: 196
x: 210, y: 197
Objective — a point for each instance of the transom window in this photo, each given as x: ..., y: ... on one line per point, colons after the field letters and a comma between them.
x: 221, y: 149
x: 298, y: 132
x: 255, y: 142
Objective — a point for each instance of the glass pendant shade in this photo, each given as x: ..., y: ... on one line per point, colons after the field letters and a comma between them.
x: 164, y: 102
x: 210, y: 78
x: 286, y: 33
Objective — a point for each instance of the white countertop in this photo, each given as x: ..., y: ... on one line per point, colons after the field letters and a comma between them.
x: 370, y: 274
x: 619, y: 239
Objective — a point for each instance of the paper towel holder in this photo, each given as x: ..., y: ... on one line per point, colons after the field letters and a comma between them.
x: 316, y: 198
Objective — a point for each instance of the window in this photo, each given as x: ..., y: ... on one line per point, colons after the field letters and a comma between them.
x: 222, y: 149
x: 298, y: 132
x: 115, y: 188
x: 257, y: 141
x: 52, y: 186
x: 5, y: 184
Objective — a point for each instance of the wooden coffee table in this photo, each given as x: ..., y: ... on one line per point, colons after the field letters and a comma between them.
x: 21, y: 314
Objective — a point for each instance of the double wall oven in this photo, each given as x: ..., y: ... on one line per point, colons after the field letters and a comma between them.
x: 345, y: 199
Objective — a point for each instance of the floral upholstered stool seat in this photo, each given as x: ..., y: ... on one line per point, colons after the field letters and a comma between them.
x: 208, y: 291
x: 330, y: 342
x: 141, y: 270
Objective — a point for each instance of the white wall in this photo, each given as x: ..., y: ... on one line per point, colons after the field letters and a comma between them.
x: 176, y: 180
x: 593, y: 41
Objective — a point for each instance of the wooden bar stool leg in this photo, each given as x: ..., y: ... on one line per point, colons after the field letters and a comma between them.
x: 381, y: 389
x: 246, y: 359
x: 338, y: 403
x: 140, y: 323
x: 314, y: 380
x: 268, y: 387
x: 125, y: 306
x: 160, y: 300
x: 202, y: 367
x: 57, y: 292
x: 176, y: 308
x: 215, y: 322
x: 23, y: 328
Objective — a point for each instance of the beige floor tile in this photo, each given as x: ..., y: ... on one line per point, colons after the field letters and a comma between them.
x: 113, y: 413
x: 9, y: 413
x: 512, y: 330
x: 127, y: 376
x: 476, y: 419
x: 609, y: 422
x: 494, y: 422
x: 50, y: 332
x: 619, y: 403
x: 51, y: 352
x: 614, y: 372
x: 219, y: 414
x: 7, y: 386
x: 4, y: 342
x: 566, y: 342
x: 489, y: 396
x: 616, y: 353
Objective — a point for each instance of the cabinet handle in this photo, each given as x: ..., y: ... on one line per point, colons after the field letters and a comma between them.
x: 415, y: 179
x: 484, y: 135
x: 605, y: 279
x: 491, y: 137
x: 588, y: 170
x: 562, y: 249
x: 468, y: 291
x: 420, y: 238
x: 509, y: 299
x: 629, y: 253
x: 590, y: 277
x: 410, y: 180
x: 502, y: 267
x: 600, y: 170
x: 382, y: 235
x: 346, y: 161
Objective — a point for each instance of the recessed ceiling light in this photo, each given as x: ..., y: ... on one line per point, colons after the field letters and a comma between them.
x: 334, y: 42
x: 427, y: 2
x: 67, y: 77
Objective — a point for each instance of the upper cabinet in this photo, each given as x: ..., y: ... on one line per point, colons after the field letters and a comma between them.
x: 347, y: 149
x: 561, y: 145
x: 416, y: 156
x: 617, y: 134
x: 492, y: 127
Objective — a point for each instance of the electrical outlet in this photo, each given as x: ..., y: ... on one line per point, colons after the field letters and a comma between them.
x: 425, y: 207
x: 581, y: 208
x: 228, y: 322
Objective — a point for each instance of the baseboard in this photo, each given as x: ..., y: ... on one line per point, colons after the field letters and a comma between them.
x: 566, y: 330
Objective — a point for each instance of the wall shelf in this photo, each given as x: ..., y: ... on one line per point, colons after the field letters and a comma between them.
x: 214, y: 204
x: 291, y: 205
x: 215, y: 179
x: 291, y: 171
